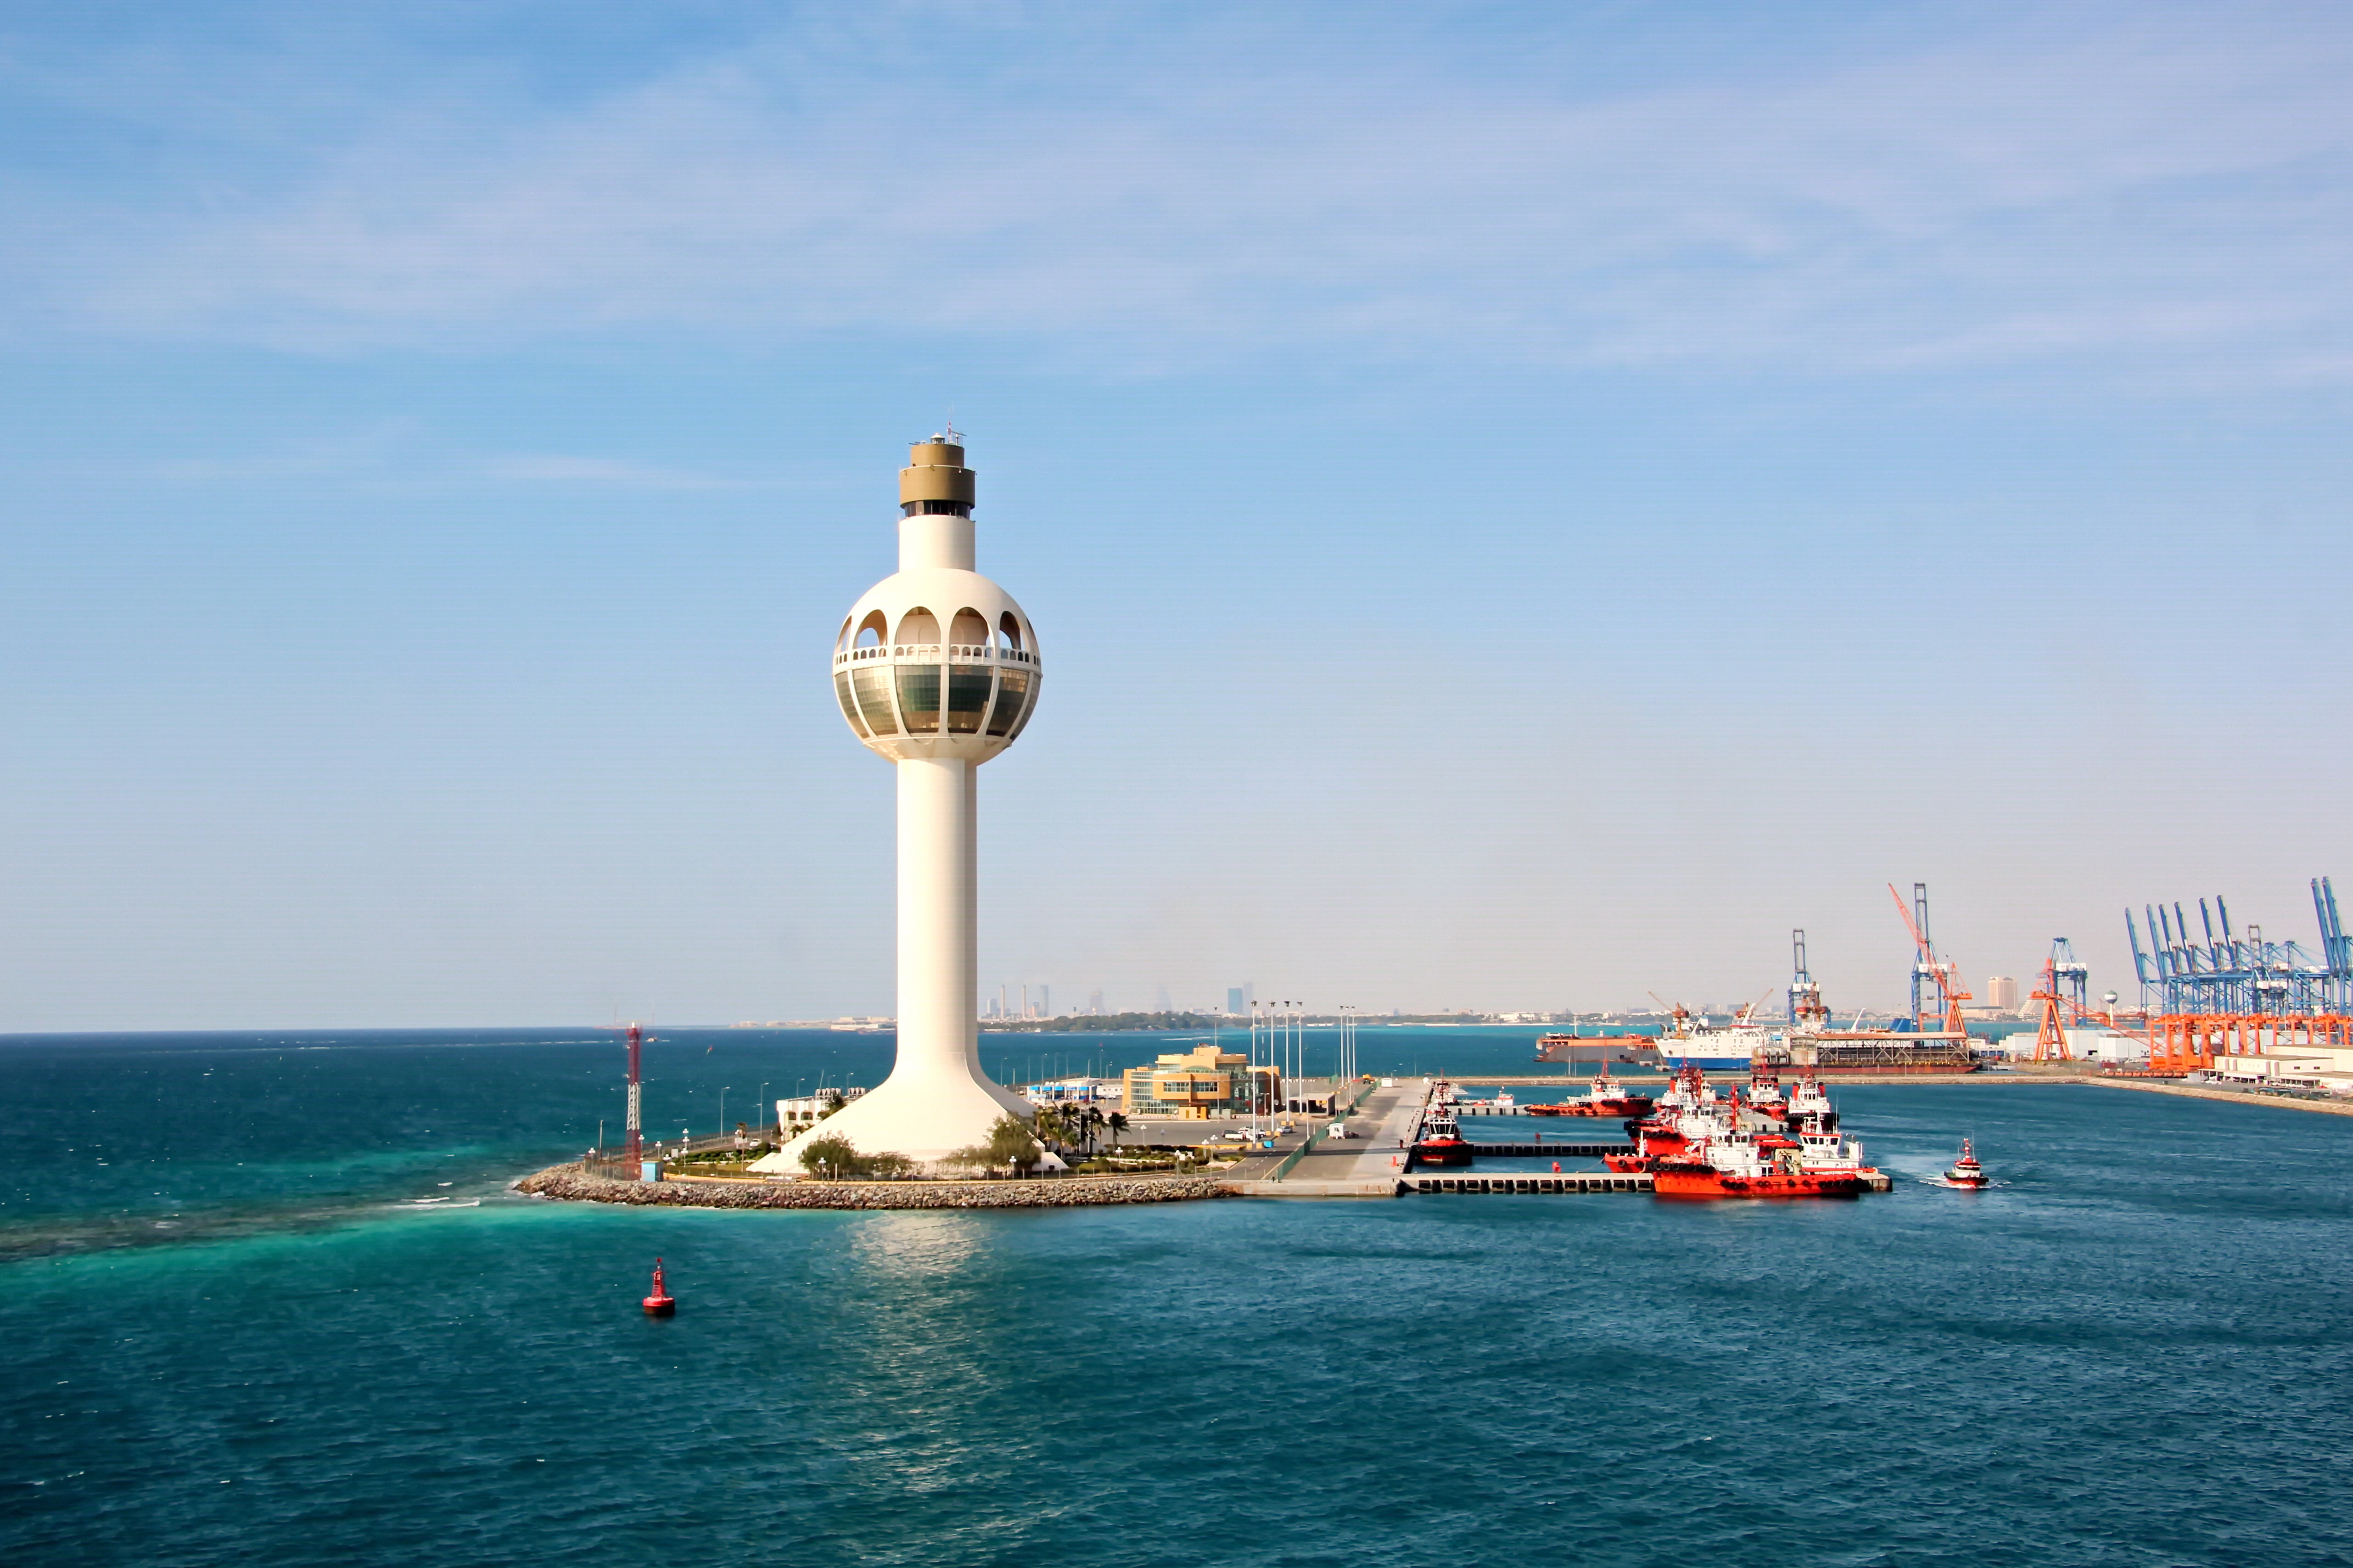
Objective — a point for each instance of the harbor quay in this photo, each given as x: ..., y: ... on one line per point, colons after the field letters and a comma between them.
x: 1365, y: 1151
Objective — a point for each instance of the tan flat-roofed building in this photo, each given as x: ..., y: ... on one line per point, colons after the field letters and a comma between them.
x: 1201, y: 1085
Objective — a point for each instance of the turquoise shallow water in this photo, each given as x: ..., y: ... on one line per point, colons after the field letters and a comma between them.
x: 2135, y: 1351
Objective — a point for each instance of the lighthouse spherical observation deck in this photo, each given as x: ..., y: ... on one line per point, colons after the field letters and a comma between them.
x: 936, y: 662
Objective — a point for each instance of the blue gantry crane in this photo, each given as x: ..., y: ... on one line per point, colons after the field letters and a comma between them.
x: 2220, y: 990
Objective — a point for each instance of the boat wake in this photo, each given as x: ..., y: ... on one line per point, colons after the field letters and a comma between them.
x: 1959, y: 1186
x: 440, y: 1204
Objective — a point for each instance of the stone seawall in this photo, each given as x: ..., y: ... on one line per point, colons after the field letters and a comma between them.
x: 568, y: 1182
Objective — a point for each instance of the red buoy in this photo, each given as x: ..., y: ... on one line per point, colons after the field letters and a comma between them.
x: 661, y: 1303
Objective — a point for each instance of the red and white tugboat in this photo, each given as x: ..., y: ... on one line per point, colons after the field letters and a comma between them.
x: 1822, y: 1149
x: 1809, y: 1099
x: 1642, y: 1159
x: 1966, y: 1173
x: 1765, y: 1095
x: 1744, y: 1165
x: 1691, y: 1110
x: 1440, y: 1143
x: 1603, y: 1097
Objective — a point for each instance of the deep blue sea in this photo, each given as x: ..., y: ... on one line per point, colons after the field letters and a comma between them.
x: 230, y: 1338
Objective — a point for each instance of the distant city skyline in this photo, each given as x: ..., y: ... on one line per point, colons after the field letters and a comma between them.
x: 1509, y: 494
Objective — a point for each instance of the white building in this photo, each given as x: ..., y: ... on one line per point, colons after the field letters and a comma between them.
x: 2001, y: 992
x: 936, y: 670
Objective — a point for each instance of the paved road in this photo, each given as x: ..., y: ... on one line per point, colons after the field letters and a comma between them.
x: 1384, y: 1123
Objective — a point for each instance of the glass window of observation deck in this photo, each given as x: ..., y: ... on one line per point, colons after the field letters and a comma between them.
x: 967, y: 696
x: 873, y: 686
x: 919, y: 697
x: 848, y: 704
x: 1012, y: 685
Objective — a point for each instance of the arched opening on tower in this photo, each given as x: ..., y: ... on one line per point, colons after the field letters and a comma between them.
x: 1009, y: 631
x: 841, y: 640
x: 872, y: 630
x: 918, y: 629
x: 969, y: 629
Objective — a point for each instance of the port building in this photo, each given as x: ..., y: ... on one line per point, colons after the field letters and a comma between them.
x: 1203, y: 1084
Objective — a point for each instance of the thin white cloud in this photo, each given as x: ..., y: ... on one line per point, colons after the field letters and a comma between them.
x: 559, y: 468
x: 2165, y: 191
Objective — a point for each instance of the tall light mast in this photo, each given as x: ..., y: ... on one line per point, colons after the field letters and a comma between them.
x: 636, y: 1087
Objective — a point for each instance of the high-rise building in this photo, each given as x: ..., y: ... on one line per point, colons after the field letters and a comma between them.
x: 1160, y: 999
x: 1233, y: 1001
x: 936, y: 670
x: 1094, y: 1004
x: 2001, y: 990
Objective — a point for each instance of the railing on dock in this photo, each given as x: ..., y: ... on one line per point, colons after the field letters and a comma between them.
x: 612, y: 1162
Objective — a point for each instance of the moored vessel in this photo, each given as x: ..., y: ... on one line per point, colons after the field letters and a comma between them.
x: 1689, y: 1110
x: 1743, y: 1166
x: 1441, y: 1142
x: 1603, y: 1097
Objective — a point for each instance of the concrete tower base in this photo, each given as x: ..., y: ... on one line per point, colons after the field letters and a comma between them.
x: 937, y: 1098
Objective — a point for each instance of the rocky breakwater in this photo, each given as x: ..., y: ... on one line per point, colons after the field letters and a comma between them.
x: 570, y: 1182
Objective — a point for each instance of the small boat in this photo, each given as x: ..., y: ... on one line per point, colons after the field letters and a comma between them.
x: 1809, y: 1099
x: 1602, y: 1096
x: 1641, y: 1160
x: 1825, y: 1150
x: 1691, y: 1110
x: 1966, y: 1173
x: 1440, y: 1143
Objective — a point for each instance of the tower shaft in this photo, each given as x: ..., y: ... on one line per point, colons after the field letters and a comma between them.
x: 939, y: 960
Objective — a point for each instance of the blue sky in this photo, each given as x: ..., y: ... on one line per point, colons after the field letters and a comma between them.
x: 1523, y: 505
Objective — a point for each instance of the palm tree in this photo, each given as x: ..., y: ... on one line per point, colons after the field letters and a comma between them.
x: 1117, y: 1121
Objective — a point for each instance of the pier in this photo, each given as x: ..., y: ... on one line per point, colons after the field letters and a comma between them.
x: 1588, y: 1182
x: 1548, y: 1151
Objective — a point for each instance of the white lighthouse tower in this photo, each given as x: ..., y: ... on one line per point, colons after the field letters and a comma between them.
x: 935, y: 668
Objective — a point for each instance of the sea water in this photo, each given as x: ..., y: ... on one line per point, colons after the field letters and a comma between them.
x: 233, y: 1335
